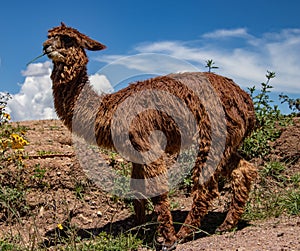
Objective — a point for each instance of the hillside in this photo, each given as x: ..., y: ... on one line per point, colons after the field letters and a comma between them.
x: 47, y: 200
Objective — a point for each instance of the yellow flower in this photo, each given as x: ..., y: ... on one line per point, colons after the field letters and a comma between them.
x: 18, y: 142
x: 7, y: 116
x: 14, y: 136
x: 4, y: 144
x: 60, y: 227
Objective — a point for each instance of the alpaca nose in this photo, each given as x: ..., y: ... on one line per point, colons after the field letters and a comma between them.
x: 47, y: 48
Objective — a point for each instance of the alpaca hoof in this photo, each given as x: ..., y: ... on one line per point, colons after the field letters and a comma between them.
x: 166, y: 247
x: 162, y: 245
x: 224, y: 228
x: 185, y: 234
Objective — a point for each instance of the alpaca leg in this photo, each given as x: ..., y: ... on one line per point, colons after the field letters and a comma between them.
x: 165, y: 229
x: 241, y: 179
x: 151, y: 180
x: 138, y: 185
x: 139, y: 209
x: 202, y: 197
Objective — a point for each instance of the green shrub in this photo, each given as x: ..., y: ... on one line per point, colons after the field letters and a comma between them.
x: 8, y: 245
x: 107, y: 242
x: 274, y: 170
x: 11, y: 137
x: 276, y: 193
x: 4, y: 116
x: 270, y: 120
x: 12, y: 202
x: 294, y: 104
x: 12, y: 142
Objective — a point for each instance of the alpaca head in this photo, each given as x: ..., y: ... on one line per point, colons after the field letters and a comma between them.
x: 66, y: 47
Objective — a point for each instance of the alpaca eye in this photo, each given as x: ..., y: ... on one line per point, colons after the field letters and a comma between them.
x: 67, y: 40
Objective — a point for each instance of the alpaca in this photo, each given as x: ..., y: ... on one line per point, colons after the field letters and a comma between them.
x: 66, y: 47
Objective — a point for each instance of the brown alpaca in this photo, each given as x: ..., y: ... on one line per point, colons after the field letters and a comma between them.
x: 66, y: 47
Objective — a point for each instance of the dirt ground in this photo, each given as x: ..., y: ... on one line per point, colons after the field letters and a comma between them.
x: 60, y: 193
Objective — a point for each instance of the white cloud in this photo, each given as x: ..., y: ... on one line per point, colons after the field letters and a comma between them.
x: 243, y: 56
x: 38, y: 69
x: 100, y: 83
x: 225, y: 33
x: 34, y: 101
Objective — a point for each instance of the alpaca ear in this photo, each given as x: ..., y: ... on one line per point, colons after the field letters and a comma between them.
x: 84, y: 40
x: 92, y: 45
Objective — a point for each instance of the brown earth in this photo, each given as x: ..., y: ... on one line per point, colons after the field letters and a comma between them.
x: 58, y: 192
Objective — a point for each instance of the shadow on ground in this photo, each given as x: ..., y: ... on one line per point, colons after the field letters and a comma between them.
x: 145, y: 232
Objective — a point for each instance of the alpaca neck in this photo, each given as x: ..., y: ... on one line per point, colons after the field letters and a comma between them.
x: 77, y: 104
x: 66, y: 90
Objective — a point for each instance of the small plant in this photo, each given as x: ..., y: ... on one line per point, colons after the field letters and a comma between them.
x: 290, y: 202
x: 276, y: 193
x: 12, y: 141
x: 103, y: 241
x: 4, y: 116
x: 294, y: 104
x: 187, y: 182
x: 295, y: 179
x: 45, y: 153
x: 110, y: 243
x: 39, y: 172
x: 210, y: 65
x: 269, y: 122
x: 274, y: 170
x: 79, y: 190
x: 265, y: 204
x: 12, y: 202
x: 11, y: 137
x: 9, y: 245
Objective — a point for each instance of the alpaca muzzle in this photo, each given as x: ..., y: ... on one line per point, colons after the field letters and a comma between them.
x: 52, y: 53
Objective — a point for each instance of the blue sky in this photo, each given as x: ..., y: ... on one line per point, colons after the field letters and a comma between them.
x: 244, y: 38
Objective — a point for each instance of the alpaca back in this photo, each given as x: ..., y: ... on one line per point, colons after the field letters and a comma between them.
x: 171, y: 105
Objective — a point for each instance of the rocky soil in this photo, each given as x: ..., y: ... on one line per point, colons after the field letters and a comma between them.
x: 60, y: 194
